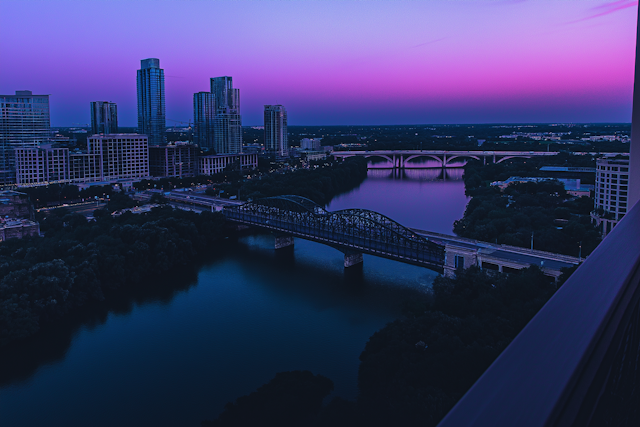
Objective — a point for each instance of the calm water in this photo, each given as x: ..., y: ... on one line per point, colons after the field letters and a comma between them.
x: 169, y: 355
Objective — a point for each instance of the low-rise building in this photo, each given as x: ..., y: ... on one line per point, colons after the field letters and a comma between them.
x: 209, y: 165
x: 311, y: 144
x: 18, y: 228
x: 572, y: 186
x: 14, y: 204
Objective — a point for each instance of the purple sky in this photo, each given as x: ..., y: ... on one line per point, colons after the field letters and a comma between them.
x: 332, y: 62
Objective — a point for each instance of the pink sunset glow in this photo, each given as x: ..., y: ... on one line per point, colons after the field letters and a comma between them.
x: 333, y: 62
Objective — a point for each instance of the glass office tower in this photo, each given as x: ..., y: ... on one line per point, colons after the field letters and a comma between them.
x: 204, y: 114
x: 24, y: 123
x: 151, y: 108
x: 275, y: 130
x: 228, y: 123
x: 104, y: 117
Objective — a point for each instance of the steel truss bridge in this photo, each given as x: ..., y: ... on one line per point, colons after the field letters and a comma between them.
x: 352, y: 231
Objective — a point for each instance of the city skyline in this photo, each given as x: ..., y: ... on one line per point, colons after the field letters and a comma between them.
x: 337, y: 63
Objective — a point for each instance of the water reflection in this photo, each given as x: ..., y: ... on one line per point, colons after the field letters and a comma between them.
x: 417, y: 174
x: 20, y: 361
x: 429, y: 199
x: 425, y: 162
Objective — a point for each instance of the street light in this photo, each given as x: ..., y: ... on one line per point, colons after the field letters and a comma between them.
x: 580, y: 253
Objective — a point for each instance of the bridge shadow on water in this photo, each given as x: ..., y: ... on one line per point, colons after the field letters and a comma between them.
x: 315, y: 275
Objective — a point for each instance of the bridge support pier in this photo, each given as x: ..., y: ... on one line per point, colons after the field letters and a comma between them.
x: 283, y: 242
x: 351, y: 259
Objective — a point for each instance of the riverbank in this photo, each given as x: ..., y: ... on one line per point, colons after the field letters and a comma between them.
x: 77, y: 262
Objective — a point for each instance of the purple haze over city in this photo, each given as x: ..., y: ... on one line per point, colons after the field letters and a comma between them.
x: 332, y: 62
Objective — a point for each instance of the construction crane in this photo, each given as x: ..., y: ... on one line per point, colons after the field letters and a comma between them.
x: 182, y: 123
x: 189, y: 131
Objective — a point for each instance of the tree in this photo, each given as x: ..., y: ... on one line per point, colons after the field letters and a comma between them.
x: 289, y: 399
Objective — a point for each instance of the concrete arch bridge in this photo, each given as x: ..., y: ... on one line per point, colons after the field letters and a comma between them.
x: 399, y: 158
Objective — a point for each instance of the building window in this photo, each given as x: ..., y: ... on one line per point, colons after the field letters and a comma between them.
x: 459, y: 261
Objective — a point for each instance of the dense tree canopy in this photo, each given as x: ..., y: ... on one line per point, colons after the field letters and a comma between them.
x: 318, y: 184
x: 78, y: 261
x: 557, y: 222
x: 291, y: 399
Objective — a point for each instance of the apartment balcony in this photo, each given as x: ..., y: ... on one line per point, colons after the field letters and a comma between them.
x: 577, y: 362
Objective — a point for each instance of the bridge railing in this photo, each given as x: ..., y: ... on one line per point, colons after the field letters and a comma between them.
x: 577, y: 363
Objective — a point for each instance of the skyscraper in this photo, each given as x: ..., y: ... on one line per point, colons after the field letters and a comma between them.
x: 204, y: 114
x: 228, y: 123
x: 275, y: 130
x: 151, y: 111
x: 104, y: 117
x: 24, y: 123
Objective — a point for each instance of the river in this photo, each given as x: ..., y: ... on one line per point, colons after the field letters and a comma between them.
x: 171, y: 355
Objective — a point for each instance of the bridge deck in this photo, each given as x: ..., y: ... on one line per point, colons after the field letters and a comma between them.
x: 505, y: 253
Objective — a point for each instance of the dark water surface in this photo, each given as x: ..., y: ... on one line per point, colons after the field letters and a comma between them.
x: 173, y: 355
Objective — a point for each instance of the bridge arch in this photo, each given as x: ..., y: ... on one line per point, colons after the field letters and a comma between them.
x: 449, y: 159
x: 513, y: 157
x: 390, y: 159
x: 431, y: 156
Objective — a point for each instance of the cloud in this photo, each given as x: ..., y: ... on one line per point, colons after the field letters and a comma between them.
x: 606, y: 9
x: 429, y: 42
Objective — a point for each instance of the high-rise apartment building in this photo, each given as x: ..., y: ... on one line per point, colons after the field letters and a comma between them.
x: 24, y: 122
x: 275, y: 130
x: 151, y: 107
x: 104, y: 117
x: 204, y: 115
x: 228, y: 123
x: 611, y: 193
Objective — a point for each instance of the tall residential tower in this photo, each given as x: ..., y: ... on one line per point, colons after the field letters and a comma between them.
x: 228, y: 123
x: 204, y: 114
x: 104, y: 117
x: 275, y: 130
x: 24, y: 123
x: 151, y: 109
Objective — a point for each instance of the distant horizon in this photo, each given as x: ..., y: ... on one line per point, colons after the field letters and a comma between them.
x: 408, y: 124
